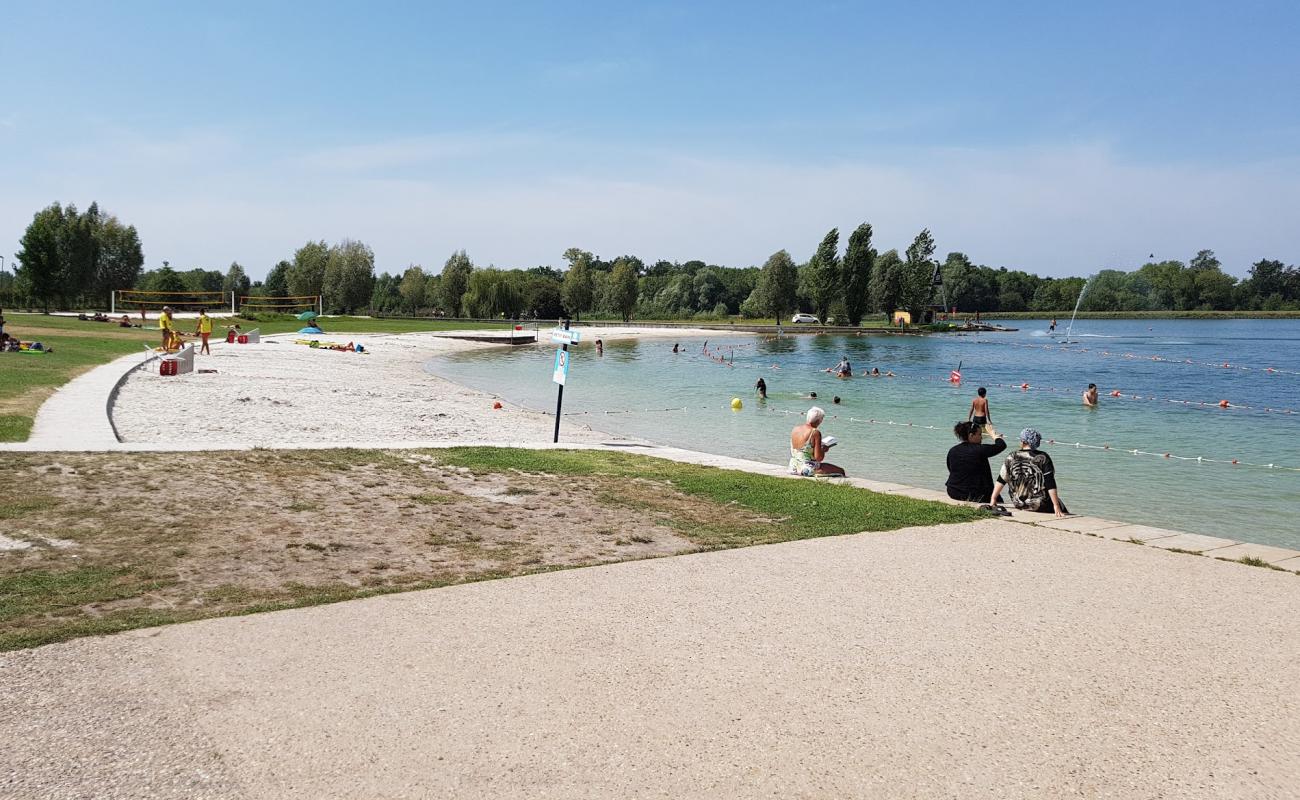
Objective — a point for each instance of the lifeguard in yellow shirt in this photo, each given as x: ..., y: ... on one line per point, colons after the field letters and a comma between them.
x: 204, y: 330
x: 167, y: 327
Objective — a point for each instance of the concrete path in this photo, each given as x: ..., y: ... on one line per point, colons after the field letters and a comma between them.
x: 987, y: 660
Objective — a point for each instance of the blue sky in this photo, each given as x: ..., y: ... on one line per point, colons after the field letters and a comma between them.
x: 1055, y: 139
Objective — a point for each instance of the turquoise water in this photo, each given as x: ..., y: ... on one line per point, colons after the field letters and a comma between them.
x: 899, y: 429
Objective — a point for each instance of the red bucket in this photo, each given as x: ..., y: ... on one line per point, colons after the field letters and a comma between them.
x: 243, y: 339
x: 169, y: 367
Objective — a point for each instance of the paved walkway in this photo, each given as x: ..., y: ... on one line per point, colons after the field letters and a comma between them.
x: 984, y: 660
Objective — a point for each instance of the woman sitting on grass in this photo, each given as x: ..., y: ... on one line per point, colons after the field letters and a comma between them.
x: 806, y: 449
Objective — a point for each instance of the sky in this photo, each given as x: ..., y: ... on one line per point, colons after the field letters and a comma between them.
x: 1056, y: 138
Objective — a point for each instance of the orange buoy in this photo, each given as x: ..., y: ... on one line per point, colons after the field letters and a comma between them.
x: 497, y: 405
x: 1115, y: 393
x: 1223, y: 404
x: 1024, y: 387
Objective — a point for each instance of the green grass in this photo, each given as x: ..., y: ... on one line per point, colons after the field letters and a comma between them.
x: 126, y: 572
x: 800, y: 509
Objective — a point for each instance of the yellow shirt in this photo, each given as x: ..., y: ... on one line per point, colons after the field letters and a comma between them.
x: 205, y: 324
x: 165, y: 321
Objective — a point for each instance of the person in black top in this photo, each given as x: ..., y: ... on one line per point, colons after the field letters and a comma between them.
x: 969, y: 477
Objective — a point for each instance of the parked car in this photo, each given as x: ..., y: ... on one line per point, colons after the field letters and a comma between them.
x: 807, y: 319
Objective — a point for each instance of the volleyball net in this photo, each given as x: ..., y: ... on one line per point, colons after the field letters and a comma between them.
x: 127, y: 300
x: 135, y: 300
x: 281, y: 305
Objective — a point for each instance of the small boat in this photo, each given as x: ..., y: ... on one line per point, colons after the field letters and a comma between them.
x: 987, y: 327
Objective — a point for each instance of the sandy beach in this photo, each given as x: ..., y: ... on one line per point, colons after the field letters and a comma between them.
x: 278, y: 393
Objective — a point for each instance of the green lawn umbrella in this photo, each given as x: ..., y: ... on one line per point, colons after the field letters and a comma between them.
x: 307, y: 315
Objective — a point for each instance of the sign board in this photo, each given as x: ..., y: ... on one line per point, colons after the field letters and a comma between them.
x: 561, y: 336
x: 561, y: 367
x: 937, y: 278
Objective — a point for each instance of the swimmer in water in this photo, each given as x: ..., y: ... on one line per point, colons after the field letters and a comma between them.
x: 600, y: 348
x: 761, y: 386
x: 889, y: 374
x: 1090, y: 396
x: 811, y: 396
x: 875, y: 372
x: 979, y: 409
x: 676, y: 348
x: 1052, y: 328
x: 843, y: 369
x: 836, y: 400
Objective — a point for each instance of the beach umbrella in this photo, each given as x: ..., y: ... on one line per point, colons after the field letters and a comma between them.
x: 306, y: 315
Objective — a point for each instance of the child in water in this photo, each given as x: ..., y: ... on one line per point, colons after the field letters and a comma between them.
x: 979, y: 409
x: 1090, y: 396
x: 761, y: 386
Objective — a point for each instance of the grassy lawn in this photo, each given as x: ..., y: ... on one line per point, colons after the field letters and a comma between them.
x: 26, y: 380
x: 112, y: 542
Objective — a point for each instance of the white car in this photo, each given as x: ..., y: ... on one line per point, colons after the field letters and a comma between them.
x: 808, y: 319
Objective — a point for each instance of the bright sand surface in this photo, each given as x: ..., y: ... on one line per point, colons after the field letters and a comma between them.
x: 991, y: 659
x: 280, y: 393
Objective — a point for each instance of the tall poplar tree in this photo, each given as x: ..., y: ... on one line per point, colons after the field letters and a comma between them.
x: 824, y: 279
x: 858, y: 261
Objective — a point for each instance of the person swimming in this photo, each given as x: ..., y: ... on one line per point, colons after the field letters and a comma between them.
x: 1090, y: 396
x: 843, y: 369
x: 875, y: 372
x: 836, y: 400
x: 676, y: 348
x: 761, y: 386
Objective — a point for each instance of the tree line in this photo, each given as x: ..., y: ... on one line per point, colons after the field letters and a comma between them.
x: 71, y: 259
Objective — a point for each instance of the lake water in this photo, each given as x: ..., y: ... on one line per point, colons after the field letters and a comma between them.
x: 1171, y: 374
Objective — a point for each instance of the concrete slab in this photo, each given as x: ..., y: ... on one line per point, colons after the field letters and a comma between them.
x: 1081, y: 524
x: 1143, y: 533
x: 1191, y: 541
x: 806, y: 669
x: 1264, y: 552
x: 926, y: 494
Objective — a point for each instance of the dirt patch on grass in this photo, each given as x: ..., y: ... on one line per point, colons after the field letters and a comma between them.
x: 120, y: 540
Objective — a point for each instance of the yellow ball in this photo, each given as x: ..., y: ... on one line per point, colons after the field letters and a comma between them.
x: 736, y: 405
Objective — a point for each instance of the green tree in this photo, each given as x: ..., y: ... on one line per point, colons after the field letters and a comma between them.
x: 349, y: 277
x: 859, y: 259
x: 493, y: 292
x: 277, y: 280
x: 918, y: 273
x: 120, y: 256
x: 455, y: 281
x: 384, y: 297
x: 38, y: 270
x: 967, y: 286
x: 887, y: 283
x: 432, y: 291
x: 307, y: 275
x: 412, y: 288
x: 578, y: 291
x: 164, y: 279
x: 824, y: 278
x: 623, y: 288
x: 778, y: 286
x: 236, y: 281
